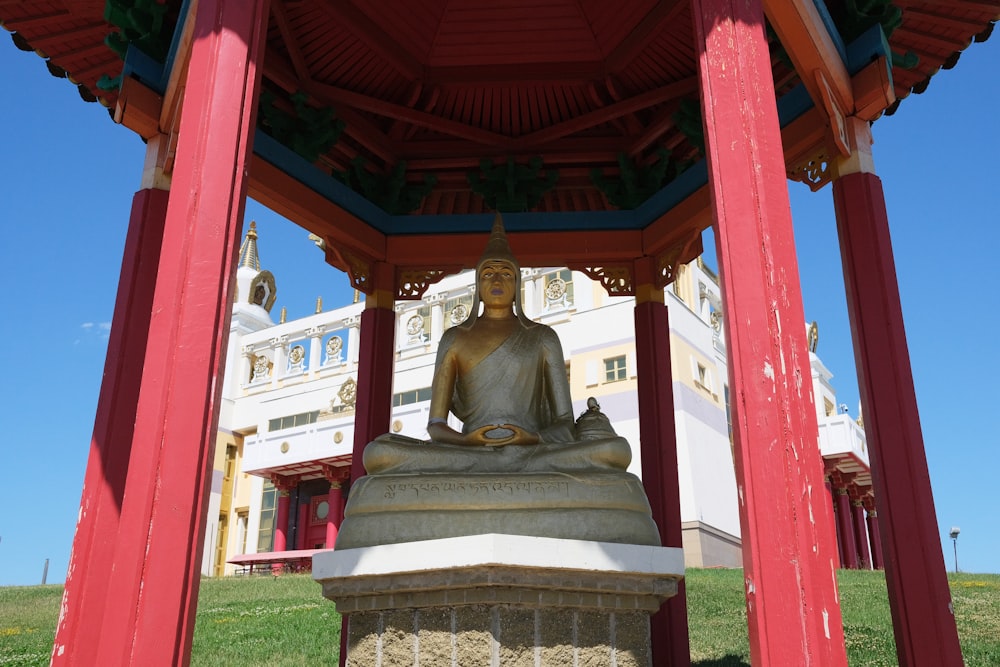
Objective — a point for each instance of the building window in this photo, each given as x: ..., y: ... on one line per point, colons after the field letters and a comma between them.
x: 268, y: 506
x: 301, y: 419
x: 242, y: 521
x: 703, y: 377
x: 615, y: 369
x: 413, y: 396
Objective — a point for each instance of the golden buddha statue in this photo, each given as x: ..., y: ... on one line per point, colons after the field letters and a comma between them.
x: 519, y: 454
x: 504, y: 376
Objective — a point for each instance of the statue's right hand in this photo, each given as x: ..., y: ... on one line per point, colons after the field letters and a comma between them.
x: 479, y: 437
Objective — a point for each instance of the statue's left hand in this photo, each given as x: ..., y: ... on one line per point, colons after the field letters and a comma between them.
x: 520, y: 436
x: 516, y: 436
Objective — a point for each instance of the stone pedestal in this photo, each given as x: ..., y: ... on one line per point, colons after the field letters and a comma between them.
x: 499, y: 600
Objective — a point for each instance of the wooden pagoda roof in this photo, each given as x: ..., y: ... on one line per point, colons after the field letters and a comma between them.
x: 552, y: 90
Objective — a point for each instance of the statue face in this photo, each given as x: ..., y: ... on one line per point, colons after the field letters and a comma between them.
x: 497, y: 281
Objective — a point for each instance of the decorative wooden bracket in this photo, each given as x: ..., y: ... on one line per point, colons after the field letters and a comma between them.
x: 813, y: 170
x: 412, y: 283
x: 682, y: 251
x: 358, y: 267
x: 616, y: 279
x: 336, y: 474
x: 284, y: 483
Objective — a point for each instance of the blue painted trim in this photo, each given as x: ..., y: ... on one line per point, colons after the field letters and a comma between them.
x: 175, y: 43
x: 140, y: 66
x: 326, y: 185
x: 831, y: 27
x: 514, y: 222
x: 673, y: 194
x: 793, y: 104
x: 790, y: 106
x: 871, y: 45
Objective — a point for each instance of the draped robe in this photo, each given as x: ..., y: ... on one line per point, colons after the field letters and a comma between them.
x: 522, y: 382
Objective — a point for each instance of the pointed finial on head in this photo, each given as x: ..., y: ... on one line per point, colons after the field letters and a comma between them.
x: 497, y: 248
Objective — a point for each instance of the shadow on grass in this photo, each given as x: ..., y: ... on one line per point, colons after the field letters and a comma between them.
x: 725, y: 661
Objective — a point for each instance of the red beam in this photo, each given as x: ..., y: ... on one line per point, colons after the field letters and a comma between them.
x: 616, y: 110
x: 569, y: 73
x: 291, y: 44
x: 289, y: 198
x: 648, y: 29
x: 341, y: 96
x: 531, y: 248
x: 375, y: 38
x: 793, y: 610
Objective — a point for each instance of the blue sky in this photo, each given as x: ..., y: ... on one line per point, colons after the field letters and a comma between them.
x: 67, y: 175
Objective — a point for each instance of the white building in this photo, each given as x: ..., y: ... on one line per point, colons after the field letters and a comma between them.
x: 288, y: 400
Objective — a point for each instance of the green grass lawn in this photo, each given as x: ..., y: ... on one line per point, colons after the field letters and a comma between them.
x: 285, y: 622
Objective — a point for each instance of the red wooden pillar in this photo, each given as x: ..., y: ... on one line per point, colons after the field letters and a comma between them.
x: 919, y: 598
x: 151, y: 592
x: 337, y: 476
x: 829, y: 469
x: 376, y: 353
x: 861, y: 535
x: 375, y: 365
x: 110, y: 447
x: 336, y: 514
x: 302, y: 525
x: 845, y: 524
x: 281, y: 520
x: 874, y: 539
x: 658, y: 451
x: 793, y: 609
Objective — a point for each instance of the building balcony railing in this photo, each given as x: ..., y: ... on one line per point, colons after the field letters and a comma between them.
x: 840, y: 435
x: 305, y: 445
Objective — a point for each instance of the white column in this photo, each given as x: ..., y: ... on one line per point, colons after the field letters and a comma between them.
x: 436, y: 302
x: 315, y: 347
x: 246, y: 363
x: 280, y: 346
x: 353, y: 331
x: 530, y: 297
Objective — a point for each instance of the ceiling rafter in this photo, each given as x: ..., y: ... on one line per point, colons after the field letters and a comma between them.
x: 291, y: 44
x: 336, y: 95
x: 655, y: 129
x: 597, y: 116
x: 375, y: 38
x: 644, y: 32
x: 571, y: 73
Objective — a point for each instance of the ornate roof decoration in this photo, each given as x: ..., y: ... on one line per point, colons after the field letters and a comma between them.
x: 248, y: 249
x: 425, y: 92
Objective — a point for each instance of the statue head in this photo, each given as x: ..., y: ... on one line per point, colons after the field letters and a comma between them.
x: 496, y: 257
